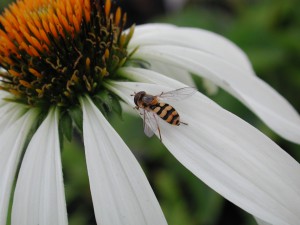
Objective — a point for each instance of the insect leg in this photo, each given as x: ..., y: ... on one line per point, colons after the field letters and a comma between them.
x: 159, y: 133
x: 161, y: 94
x: 158, y: 129
x: 183, y: 123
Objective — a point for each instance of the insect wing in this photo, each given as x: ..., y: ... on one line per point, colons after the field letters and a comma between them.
x: 150, y: 122
x: 178, y: 94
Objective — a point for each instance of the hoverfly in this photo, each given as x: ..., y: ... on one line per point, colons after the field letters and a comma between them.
x: 152, y: 108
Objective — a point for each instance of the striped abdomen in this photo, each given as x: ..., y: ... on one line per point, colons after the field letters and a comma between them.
x: 166, y: 112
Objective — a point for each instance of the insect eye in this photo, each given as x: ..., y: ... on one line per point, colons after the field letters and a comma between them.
x: 147, y: 99
x: 136, y: 98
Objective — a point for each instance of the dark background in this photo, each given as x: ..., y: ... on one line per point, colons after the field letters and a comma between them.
x: 268, y: 31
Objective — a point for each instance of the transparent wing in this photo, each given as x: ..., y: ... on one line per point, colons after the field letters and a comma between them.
x: 150, y: 122
x: 178, y: 94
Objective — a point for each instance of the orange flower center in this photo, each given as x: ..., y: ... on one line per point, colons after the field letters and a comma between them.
x: 28, y: 23
x: 54, y: 50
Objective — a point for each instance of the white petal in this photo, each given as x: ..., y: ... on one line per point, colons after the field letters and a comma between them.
x: 145, y: 29
x: 148, y: 76
x: 12, y: 142
x: 271, y: 107
x: 210, y: 87
x: 181, y: 75
x: 3, y: 94
x: 39, y: 196
x: 209, y: 42
x: 230, y: 156
x: 120, y: 191
x: 9, y: 113
x: 261, y: 222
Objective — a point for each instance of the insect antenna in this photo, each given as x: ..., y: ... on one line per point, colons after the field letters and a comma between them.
x: 159, y: 134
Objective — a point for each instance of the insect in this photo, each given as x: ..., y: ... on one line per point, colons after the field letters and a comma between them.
x: 152, y: 107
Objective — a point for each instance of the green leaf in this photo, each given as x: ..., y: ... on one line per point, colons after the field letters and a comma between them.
x: 76, y: 115
x: 105, y: 97
x: 116, y: 106
x: 107, y: 103
x: 66, y: 125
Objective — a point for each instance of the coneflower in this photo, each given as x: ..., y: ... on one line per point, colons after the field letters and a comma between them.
x: 67, y: 64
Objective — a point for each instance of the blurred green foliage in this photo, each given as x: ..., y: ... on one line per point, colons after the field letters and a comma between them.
x: 4, y: 3
x: 268, y: 31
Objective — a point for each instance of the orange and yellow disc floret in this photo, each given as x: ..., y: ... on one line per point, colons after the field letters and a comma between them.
x: 54, y: 51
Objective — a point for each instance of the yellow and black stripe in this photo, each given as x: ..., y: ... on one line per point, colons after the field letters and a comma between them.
x: 166, y: 112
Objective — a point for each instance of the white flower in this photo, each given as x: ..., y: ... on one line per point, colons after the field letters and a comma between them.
x: 229, y: 155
